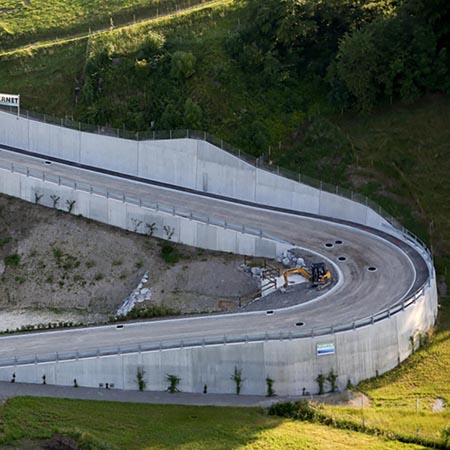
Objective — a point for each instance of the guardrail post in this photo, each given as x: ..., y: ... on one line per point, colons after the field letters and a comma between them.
x: 354, y: 326
x: 246, y: 338
x: 28, y: 172
x: 123, y: 198
x: 12, y: 168
x: 173, y: 210
x: 403, y: 305
x: 140, y: 202
x: 312, y: 332
x: 389, y: 313
x: 43, y: 176
x: 224, y: 340
x: 91, y: 190
x: 372, y: 320
x: 266, y: 337
x: 281, y: 335
x: 75, y: 185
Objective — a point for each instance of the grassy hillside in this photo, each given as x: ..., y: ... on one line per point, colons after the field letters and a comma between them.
x: 36, y: 20
x: 139, y: 427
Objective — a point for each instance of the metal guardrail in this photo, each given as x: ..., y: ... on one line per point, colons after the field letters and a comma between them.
x: 137, y: 201
x: 222, y: 340
x: 210, y: 138
x: 370, y: 320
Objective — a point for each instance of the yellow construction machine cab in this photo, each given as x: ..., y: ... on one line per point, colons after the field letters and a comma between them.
x: 317, y: 274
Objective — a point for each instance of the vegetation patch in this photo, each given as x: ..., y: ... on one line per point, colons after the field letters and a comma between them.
x: 12, y: 260
x: 170, y: 426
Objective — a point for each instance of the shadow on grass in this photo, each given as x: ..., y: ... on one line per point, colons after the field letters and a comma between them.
x: 134, y: 426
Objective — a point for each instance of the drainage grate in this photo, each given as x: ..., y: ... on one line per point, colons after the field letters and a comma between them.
x: 371, y: 269
x: 269, y: 313
x: 299, y: 324
x: 342, y: 258
x: 338, y: 242
x: 329, y: 245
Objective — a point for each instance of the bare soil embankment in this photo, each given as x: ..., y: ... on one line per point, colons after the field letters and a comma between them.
x: 55, y: 267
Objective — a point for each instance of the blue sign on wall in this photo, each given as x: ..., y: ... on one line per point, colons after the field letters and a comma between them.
x: 325, y: 349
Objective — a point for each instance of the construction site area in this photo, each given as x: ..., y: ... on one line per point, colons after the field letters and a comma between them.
x: 56, y: 268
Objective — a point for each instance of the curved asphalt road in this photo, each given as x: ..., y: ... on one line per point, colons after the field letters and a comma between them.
x: 359, y: 293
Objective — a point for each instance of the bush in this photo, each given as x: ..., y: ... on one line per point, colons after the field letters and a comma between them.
x: 169, y: 254
x: 12, y: 260
x: 182, y: 65
x: 148, y: 313
x: 300, y: 410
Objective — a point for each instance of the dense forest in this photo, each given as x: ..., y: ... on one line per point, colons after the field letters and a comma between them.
x: 360, y: 52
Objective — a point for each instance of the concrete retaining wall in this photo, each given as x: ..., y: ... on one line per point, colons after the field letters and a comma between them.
x: 133, y: 217
x: 189, y: 163
x: 292, y: 364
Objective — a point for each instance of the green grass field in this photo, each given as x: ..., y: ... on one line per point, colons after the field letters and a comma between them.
x: 22, y: 23
x: 145, y: 427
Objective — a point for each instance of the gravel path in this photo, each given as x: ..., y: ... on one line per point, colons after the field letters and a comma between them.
x: 10, y: 390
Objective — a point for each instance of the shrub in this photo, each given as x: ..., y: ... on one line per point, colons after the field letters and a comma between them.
x: 270, y: 390
x: 173, y: 381
x: 238, y: 380
x: 12, y: 260
x: 321, y: 382
x: 140, y: 372
x: 169, y: 254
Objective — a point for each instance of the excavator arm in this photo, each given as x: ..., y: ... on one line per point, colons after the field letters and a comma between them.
x: 297, y: 270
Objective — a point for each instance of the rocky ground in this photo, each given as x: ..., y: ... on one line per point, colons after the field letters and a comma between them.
x: 56, y: 267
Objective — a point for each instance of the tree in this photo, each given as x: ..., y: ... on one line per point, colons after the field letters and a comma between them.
x: 173, y: 381
x: 356, y: 66
x: 192, y: 115
x: 142, y: 384
x: 182, y: 65
x: 321, y: 382
x: 238, y: 380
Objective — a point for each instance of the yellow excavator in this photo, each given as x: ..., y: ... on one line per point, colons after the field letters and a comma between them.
x: 318, y: 274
